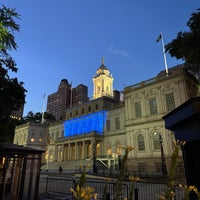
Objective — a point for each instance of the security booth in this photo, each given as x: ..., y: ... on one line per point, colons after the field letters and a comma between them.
x: 19, y: 171
x: 184, y: 121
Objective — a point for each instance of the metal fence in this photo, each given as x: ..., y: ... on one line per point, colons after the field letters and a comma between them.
x: 59, y: 188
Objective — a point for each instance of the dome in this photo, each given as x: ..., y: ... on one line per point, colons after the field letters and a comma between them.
x: 102, y: 70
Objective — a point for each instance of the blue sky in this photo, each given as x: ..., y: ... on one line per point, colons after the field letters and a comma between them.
x: 67, y: 39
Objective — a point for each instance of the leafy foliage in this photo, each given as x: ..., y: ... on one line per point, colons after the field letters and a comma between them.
x: 37, y: 117
x: 187, y: 44
x: 12, y: 92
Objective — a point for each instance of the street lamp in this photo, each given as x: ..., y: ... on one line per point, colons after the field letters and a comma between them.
x: 164, y: 168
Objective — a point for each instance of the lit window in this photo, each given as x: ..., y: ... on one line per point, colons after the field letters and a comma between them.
x: 153, y: 106
x: 156, y: 141
x: 141, y: 145
x: 170, y: 101
x: 40, y: 140
x: 119, y: 150
x: 46, y: 155
x: 109, y: 151
x: 138, y: 110
x: 32, y: 139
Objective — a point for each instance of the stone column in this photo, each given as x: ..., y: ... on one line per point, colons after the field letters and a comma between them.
x: 69, y: 151
x: 62, y: 159
x: 83, y: 151
x: 76, y: 151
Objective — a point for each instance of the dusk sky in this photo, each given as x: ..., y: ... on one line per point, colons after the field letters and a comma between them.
x: 66, y: 39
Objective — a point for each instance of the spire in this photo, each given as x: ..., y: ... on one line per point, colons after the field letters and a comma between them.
x: 102, y: 60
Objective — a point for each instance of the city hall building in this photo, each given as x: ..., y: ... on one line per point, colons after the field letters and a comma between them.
x: 100, y: 128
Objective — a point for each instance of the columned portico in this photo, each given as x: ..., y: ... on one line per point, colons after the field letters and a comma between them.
x: 82, y: 148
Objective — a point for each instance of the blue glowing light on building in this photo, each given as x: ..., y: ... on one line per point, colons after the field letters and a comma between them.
x: 85, y: 124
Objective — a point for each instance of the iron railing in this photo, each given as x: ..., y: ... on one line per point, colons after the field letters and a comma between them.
x: 52, y: 186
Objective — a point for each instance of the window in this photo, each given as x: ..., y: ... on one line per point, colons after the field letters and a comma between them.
x: 170, y: 101
x: 97, y: 106
x: 109, y: 150
x: 158, y: 167
x: 107, y: 89
x: 141, y: 145
x: 156, y: 141
x: 51, y: 155
x: 142, y: 167
x: 108, y: 124
x: 83, y: 111
x: 89, y: 109
x: 98, y: 90
x: 119, y: 150
x: 138, y: 110
x: 117, y: 123
x: 153, y: 106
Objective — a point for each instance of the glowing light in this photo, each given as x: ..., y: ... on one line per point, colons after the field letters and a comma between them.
x: 85, y: 124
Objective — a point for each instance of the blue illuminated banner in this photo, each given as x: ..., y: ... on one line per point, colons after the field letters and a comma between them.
x: 85, y: 124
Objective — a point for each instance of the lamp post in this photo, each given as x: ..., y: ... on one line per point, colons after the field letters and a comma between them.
x: 164, y: 168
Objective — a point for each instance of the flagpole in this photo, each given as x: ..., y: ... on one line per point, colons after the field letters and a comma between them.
x: 164, y: 54
x: 43, y: 109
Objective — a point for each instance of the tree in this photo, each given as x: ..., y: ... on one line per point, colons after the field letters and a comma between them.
x: 37, y: 117
x: 12, y: 92
x: 187, y: 44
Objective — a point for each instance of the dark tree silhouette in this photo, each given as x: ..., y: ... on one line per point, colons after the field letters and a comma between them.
x: 37, y: 117
x: 12, y: 92
x: 186, y: 45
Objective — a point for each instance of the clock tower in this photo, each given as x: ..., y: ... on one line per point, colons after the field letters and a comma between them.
x: 102, y: 82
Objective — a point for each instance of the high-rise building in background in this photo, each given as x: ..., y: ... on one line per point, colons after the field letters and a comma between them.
x: 18, y: 114
x: 59, y: 101
x: 66, y: 97
x: 79, y: 94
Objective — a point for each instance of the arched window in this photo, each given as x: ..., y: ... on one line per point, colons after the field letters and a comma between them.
x: 141, y: 145
x: 156, y: 141
x: 118, y: 148
x: 109, y: 150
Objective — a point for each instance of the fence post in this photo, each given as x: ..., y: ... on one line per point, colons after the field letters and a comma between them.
x: 136, y: 193
x: 107, y: 196
x: 47, y: 179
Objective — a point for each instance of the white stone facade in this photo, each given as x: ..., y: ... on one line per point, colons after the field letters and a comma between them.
x: 136, y: 121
